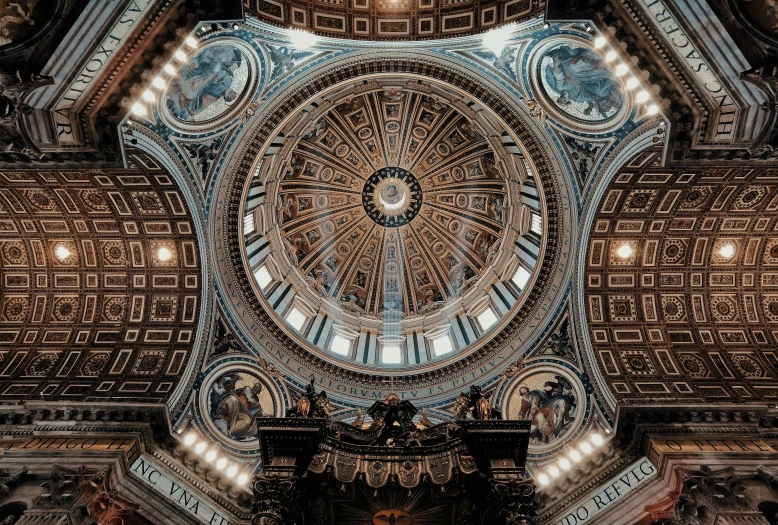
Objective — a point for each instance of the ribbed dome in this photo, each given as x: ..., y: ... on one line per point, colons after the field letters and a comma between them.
x: 392, y: 200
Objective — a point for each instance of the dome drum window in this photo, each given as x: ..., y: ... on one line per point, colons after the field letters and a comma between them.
x: 440, y: 341
x: 486, y: 314
x: 342, y: 341
x: 249, y: 225
x: 486, y: 319
x: 537, y: 224
x: 264, y: 280
x: 296, y: 319
x: 442, y: 345
x: 299, y: 315
x: 520, y: 277
x: 340, y: 345
x: 391, y: 350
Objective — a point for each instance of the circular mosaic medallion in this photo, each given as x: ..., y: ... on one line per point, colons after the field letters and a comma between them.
x: 208, y: 84
x: 392, y: 197
x: 212, y: 86
x: 581, y: 83
x: 235, y: 399
x: 552, y: 400
x: 577, y: 87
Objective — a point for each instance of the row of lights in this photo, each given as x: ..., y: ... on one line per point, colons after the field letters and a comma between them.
x: 211, y: 455
x: 642, y: 96
x: 726, y: 251
x: 159, y: 82
x: 575, y: 455
x: 62, y: 253
x: 496, y: 39
x: 300, y: 40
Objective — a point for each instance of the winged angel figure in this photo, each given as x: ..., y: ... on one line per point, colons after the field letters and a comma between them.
x: 504, y: 62
x: 284, y: 59
x: 548, y: 409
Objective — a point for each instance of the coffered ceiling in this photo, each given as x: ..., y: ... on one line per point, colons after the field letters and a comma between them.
x: 100, y: 284
x: 681, y: 283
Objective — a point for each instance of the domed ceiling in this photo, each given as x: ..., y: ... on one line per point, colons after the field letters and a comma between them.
x: 393, y: 201
x: 400, y: 219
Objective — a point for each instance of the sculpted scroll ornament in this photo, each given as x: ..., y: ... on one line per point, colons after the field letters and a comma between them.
x: 274, y: 500
x: 513, y: 501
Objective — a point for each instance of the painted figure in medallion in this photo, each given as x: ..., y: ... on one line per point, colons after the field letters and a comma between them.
x: 580, y: 75
x: 548, y: 409
x: 206, y: 78
x: 235, y: 404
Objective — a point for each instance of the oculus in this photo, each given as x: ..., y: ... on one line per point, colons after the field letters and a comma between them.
x: 392, y: 197
x: 349, y: 213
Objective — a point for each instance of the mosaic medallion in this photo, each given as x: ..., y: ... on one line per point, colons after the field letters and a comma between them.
x: 212, y: 87
x: 581, y: 83
x: 235, y: 399
x: 208, y: 83
x: 392, y: 197
x: 552, y: 401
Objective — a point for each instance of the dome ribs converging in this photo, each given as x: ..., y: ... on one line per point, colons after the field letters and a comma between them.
x: 388, y: 131
x: 424, y: 239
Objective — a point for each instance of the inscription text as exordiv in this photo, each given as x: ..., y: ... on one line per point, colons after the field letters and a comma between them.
x: 67, y: 130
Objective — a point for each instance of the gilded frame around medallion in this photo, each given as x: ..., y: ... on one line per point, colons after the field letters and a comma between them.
x: 247, y: 367
x: 236, y: 107
x: 535, y: 69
